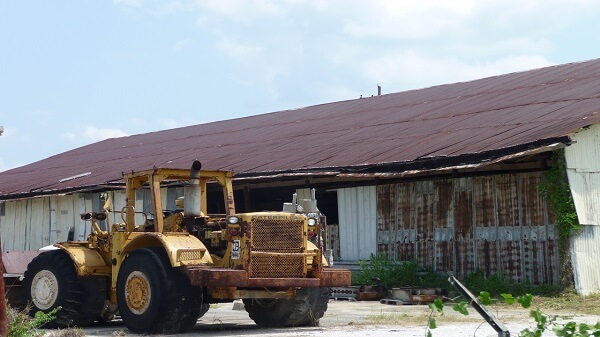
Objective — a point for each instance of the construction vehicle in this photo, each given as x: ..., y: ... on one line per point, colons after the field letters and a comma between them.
x: 161, y: 275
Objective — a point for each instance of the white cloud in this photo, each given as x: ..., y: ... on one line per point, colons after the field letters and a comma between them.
x: 246, y: 10
x: 94, y: 134
x: 411, y: 19
x: 424, y: 70
x: 400, y: 44
x: 237, y: 50
x: 130, y: 3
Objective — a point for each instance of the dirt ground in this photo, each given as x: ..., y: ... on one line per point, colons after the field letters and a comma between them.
x: 345, y: 318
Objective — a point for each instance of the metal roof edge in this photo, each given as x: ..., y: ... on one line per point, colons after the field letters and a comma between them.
x: 392, y: 169
x: 423, y: 163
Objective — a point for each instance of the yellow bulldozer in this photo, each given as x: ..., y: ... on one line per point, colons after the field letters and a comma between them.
x: 160, y: 274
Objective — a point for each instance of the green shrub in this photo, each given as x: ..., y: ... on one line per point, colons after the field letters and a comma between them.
x: 20, y: 324
x: 499, y: 283
x: 396, y: 274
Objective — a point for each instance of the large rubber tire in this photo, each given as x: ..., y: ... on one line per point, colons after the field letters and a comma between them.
x: 155, y: 298
x: 50, y: 281
x: 305, y: 309
x: 190, y: 307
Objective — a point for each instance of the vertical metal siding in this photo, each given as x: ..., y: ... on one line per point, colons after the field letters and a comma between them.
x: 585, y: 248
x: 34, y: 223
x: 358, y: 222
x: 583, y: 170
x: 493, y: 224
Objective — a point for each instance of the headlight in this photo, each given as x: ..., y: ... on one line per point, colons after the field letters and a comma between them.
x: 312, y: 221
x: 312, y: 215
x: 233, y: 220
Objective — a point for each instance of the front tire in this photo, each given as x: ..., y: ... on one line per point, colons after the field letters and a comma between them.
x: 51, y: 282
x: 155, y: 298
x: 305, y: 309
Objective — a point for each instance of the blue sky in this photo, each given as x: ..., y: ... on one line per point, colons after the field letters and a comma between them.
x: 76, y: 72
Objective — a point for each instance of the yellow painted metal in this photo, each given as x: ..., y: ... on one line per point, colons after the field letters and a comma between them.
x: 137, y: 292
x: 88, y: 262
x: 182, y: 248
x: 131, y: 186
x: 119, y: 238
x: 157, y: 205
x: 135, y: 180
x: 311, y: 247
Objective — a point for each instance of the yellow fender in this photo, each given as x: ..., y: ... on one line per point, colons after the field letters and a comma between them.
x: 88, y: 262
x: 183, y: 249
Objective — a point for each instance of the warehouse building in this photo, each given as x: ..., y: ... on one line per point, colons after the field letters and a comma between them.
x: 446, y: 175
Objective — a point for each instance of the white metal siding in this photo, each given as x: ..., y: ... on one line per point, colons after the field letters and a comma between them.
x: 583, y: 170
x: 585, y: 249
x: 34, y: 223
x: 357, y: 208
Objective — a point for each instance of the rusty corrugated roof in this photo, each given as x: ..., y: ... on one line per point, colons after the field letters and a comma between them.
x: 508, y: 113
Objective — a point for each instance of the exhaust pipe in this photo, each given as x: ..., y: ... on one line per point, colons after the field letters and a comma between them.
x: 192, y: 192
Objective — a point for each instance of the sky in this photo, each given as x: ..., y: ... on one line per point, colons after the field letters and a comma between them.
x: 76, y: 72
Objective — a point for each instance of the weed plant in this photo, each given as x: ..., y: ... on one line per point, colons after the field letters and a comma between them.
x: 396, y: 274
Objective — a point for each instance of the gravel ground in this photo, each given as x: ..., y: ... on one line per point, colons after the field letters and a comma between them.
x: 345, y: 318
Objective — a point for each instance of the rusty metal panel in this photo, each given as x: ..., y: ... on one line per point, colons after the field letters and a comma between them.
x: 464, y: 257
x: 386, y: 219
x: 486, y: 230
x: 509, y: 226
x: 213, y: 277
x: 424, y: 202
x: 496, y: 224
x: 406, y: 236
x: 444, y: 225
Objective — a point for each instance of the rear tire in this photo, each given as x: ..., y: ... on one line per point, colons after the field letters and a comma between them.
x: 305, y: 309
x: 51, y: 281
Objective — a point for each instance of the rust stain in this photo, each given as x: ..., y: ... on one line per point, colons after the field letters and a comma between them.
x: 405, y: 206
x: 444, y: 255
x: 462, y: 225
x: 463, y: 218
x: 484, y: 201
x: 442, y: 203
x: 406, y: 251
x: 507, y: 209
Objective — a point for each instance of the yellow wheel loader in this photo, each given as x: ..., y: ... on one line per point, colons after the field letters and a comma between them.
x: 161, y: 274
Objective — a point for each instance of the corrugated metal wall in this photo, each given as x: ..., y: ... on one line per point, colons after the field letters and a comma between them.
x: 357, y: 227
x: 34, y: 223
x: 583, y: 170
x: 585, y: 249
x: 492, y: 223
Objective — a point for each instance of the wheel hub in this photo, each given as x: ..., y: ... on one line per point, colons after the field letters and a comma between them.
x: 44, y: 289
x: 137, y: 292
